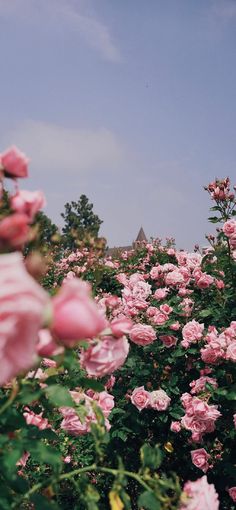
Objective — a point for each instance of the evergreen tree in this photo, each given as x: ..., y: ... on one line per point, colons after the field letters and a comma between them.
x: 80, y: 222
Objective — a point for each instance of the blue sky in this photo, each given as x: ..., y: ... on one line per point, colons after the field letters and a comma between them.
x: 132, y: 102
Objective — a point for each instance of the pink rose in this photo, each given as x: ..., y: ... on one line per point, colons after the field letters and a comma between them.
x: 155, y: 273
x: 141, y: 334
x: 229, y: 228
x: 234, y: 417
x: 160, y: 318
x: 121, y: 326
x: 199, y: 495
x: 192, y: 332
x: 28, y: 202
x: 161, y: 293
x: 36, y: 419
x: 200, y: 459
x: 175, y: 326
x: 175, y: 426
x: 204, y: 281
x: 72, y: 424
x: 140, y: 398
x: 15, y: 163
x: 166, y: 309
x: 159, y: 400
x: 105, y: 356
x: 22, y: 306
x: 168, y: 340
x: 106, y: 402
x: 75, y: 314
x: 14, y: 230
x: 174, y: 278
x: 232, y: 493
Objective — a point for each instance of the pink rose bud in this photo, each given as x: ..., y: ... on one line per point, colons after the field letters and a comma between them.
x: 75, y: 314
x: 15, y: 163
x: 14, y: 230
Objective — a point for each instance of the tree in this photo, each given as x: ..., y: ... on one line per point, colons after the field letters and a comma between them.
x: 45, y: 235
x: 80, y: 222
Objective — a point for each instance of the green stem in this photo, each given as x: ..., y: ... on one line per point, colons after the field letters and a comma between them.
x: 75, y: 472
x: 14, y: 391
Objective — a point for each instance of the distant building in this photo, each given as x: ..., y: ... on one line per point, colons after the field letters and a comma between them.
x: 141, y: 237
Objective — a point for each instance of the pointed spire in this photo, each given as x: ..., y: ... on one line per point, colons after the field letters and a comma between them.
x: 141, y: 236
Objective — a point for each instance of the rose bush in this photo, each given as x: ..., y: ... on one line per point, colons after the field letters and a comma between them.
x: 125, y: 388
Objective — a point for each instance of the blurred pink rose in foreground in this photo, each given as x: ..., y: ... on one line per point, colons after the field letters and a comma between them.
x: 14, y: 230
x: 14, y: 162
x: 22, y: 306
x: 46, y: 345
x: 75, y: 314
x: 105, y: 356
x: 28, y: 202
x: 199, y: 495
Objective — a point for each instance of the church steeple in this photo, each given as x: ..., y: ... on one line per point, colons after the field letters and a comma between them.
x: 141, y: 236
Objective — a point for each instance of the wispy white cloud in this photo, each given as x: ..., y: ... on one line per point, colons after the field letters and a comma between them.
x: 60, y: 151
x: 224, y: 9
x: 92, y: 30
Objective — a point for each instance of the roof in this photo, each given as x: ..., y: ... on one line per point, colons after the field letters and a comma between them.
x: 141, y: 236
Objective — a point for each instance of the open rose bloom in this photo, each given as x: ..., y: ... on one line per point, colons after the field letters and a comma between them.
x: 22, y: 306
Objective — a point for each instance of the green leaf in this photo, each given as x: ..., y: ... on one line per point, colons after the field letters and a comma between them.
x: 92, y: 384
x: 151, y: 457
x: 59, y: 396
x: 205, y: 313
x: 27, y: 396
x: 149, y: 501
x: 214, y: 219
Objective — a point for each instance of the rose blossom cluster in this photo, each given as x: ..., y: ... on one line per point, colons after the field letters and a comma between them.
x: 199, y: 495
x: 34, y: 325
x: 220, y: 190
x: 199, y: 418
x: 199, y: 385
x: 76, y: 425
x: 15, y: 228
x: 135, y: 293
x: 143, y: 399
x: 220, y: 346
x: 229, y: 229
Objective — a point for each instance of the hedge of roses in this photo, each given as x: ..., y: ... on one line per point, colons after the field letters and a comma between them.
x: 117, y: 373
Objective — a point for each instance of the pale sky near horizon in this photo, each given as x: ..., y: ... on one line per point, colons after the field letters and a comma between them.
x: 132, y: 102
